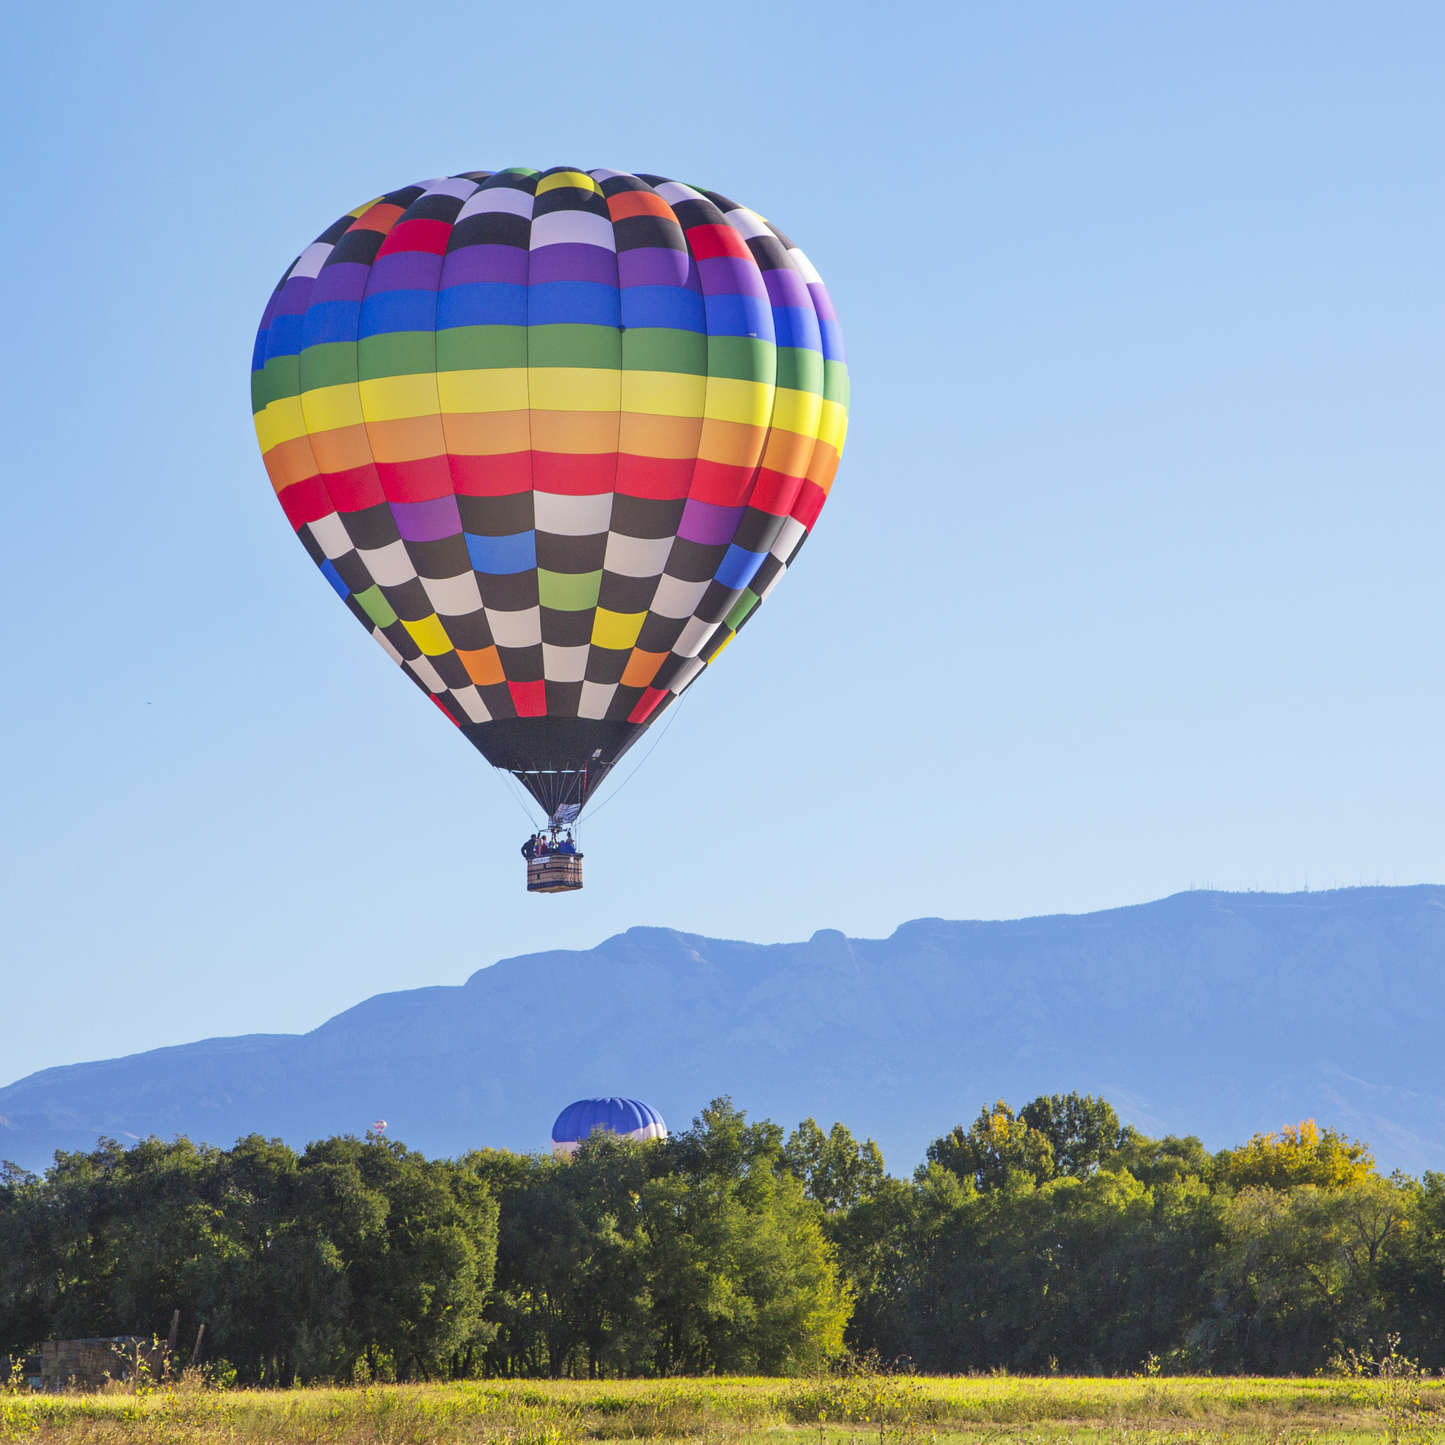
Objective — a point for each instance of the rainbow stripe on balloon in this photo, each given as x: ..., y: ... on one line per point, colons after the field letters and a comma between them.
x: 552, y: 437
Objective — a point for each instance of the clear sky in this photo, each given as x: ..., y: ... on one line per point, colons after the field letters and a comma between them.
x: 1130, y: 579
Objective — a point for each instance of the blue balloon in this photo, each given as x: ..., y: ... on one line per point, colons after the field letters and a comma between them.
x: 630, y: 1118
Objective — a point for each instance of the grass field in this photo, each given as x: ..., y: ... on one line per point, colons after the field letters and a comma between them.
x: 890, y: 1409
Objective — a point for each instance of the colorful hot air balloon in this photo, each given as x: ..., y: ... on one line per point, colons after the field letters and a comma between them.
x: 630, y: 1118
x: 552, y: 437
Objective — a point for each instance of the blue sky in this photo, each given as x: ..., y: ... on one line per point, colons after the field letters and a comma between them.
x: 1130, y: 579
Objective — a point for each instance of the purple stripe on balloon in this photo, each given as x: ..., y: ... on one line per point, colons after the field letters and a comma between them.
x: 787, y: 288
x: 731, y: 276
x: 822, y: 302
x: 345, y: 281
x: 657, y: 266
x: 294, y: 296
x: 427, y: 521
x: 270, y: 311
x: 469, y: 264
x: 405, y: 271
x: 708, y: 524
x: 573, y: 261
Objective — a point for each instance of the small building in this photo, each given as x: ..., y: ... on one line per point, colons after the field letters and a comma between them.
x: 89, y: 1364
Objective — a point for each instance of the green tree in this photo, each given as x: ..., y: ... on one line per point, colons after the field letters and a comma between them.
x: 997, y: 1146
x: 742, y: 1277
x: 834, y: 1169
x: 1082, y: 1131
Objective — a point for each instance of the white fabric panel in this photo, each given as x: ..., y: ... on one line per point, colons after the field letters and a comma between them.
x: 694, y: 635
x: 582, y: 227
x: 310, y: 260
x: 572, y: 516
x: 564, y: 664
x: 331, y: 536
x: 685, y: 674
x: 502, y: 198
x: 516, y: 629
x: 472, y: 704
x: 457, y: 186
x: 787, y: 541
x: 428, y: 674
x: 671, y: 191
x: 389, y: 565
x: 810, y: 274
x: 636, y: 556
x: 453, y: 596
x: 596, y: 699
x: 563, y: 1151
x: 600, y: 176
x: 385, y: 641
x: 676, y: 598
x: 746, y: 223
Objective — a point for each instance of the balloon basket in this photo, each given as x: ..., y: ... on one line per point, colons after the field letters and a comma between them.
x: 555, y: 873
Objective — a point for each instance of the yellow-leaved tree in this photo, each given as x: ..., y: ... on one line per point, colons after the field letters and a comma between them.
x: 1299, y: 1154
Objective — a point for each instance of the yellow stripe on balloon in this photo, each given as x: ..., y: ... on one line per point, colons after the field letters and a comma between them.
x: 282, y: 421
x: 748, y: 402
x: 390, y: 398
x: 664, y: 393
x: 501, y: 388
x: 574, y: 388
x: 833, y: 424
x: 798, y: 411
x: 328, y: 408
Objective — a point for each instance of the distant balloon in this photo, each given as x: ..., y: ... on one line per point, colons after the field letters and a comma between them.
x: 629, y: 1118
x: 553, y: 437
x: 379, y: 1125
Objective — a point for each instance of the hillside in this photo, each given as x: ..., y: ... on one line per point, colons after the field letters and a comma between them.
x: 1213, y: 1013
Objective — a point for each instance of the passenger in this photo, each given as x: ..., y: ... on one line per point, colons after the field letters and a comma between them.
x: 566, y: 846
x: 529, y: 848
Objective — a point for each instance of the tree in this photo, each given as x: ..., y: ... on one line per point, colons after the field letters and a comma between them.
x: 1298, y: 1154
x: 1082, y: 1131
x: 835, y: 1170
x: 997, y: 1146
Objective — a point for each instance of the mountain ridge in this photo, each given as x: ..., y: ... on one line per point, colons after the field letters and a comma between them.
x: 1204, y: 1012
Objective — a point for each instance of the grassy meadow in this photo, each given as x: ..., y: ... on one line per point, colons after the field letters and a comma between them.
x: 832, y: 1410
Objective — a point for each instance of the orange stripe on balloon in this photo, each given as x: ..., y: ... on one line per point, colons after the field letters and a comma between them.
x: 487, y: 433
x: 342, y: 448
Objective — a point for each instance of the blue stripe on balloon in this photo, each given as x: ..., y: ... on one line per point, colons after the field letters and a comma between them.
x: 672, y: 307
x: 285, y: 336
x: 331, y: 321
x: 733, y: 315
x: 481, y: 303
x: 573, y: 303
x: 797, y: 326
x: 387, y: 311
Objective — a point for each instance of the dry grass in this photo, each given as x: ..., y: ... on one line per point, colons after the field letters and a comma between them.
x: 855, y: 1410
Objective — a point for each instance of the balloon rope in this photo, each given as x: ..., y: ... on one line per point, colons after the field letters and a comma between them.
x: 509, y: 786
x: 677, y: 707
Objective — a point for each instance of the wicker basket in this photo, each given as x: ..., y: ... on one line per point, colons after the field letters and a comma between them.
x: 555, y: 873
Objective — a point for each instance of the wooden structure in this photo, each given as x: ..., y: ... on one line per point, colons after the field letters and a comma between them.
x: 554, y: 873
x: 89, y: 1364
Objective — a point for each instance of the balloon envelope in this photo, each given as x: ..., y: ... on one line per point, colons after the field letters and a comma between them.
x: 552, y: 437
x: 630, y: 1118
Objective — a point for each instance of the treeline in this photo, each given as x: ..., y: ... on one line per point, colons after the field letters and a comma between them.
x: 1051, y: 1239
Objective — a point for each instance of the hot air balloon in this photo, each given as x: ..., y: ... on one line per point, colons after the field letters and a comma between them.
x: 630, y: 1118
x: 552, y: 437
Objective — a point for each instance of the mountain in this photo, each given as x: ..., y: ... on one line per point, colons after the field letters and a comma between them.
x: 1212, y: 1013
